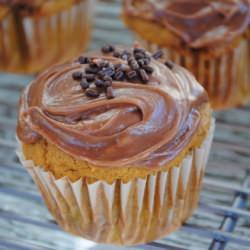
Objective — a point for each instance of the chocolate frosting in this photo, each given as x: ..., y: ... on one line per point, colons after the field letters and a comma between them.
x: 30, y: 3
x: 199, y: 23
x: 145, y: 123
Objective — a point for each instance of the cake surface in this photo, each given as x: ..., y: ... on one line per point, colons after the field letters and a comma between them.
x: 120, y: 113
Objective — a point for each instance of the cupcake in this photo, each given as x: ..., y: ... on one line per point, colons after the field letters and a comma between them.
x: 35, y: 34
x: 117, y: 142
x: 206, y: 37
x: 248, y: 38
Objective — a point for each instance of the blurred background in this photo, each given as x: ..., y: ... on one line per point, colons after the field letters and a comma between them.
x: 222, y: 220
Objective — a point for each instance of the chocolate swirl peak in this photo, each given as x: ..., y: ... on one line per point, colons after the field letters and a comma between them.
x: 200, y: 23
x: 149, y: 122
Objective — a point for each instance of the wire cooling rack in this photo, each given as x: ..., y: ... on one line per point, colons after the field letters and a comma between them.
x: 222, y: 220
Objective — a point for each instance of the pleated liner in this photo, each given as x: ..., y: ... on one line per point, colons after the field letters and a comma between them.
x: 44, y: 40
x: 225, y: 77
x: 130, y: 213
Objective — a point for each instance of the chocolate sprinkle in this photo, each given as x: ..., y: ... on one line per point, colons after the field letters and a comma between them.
x: 91, y: 92
x: 106, y: 72
x: 148, y: 69
x: 77, y: 75
x: 107, y: 83
x: 141, y: 62
x: 99, y: 83
x: 143, y: 76
x: 126, y: 55
x: 158, y: 54
x: 84, y: 84
x: 91, y: 70
x: 108, y: 49
x: 110, y: 93
x: 139, y: 56
x: 94, y: 64
x: 169, y: 64
x: 131, y: 74
x: 119, y: 75
x: 107, y: 78
x: 147, y: 60
x: 133, y: 63
x: 125, y: 68
x: 83, y: 60
x: 138, y: 50
x: 90, y: 77
x: 117, y: 54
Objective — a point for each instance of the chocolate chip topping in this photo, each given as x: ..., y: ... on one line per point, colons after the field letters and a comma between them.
x: 108, y: 49
x: 84, y: 84
x: 133, y: 63
x: 83, y: 60
x: 117, y: 54
x: 148, y: 69
x: 158, y: 54
x: 169, y: 64
x: 110, y: 93
x: 143, y: 75
x: 131, y: 75
x: 77, y: 75
x: 99, y: 74
x: 92, y: 93
x: 119, y: 75
x: 99, y: 83
x: 91, y: 70
x: 90, y: 77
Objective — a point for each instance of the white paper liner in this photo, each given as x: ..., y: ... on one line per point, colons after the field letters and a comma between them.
x: 248, y: 39
x: 225, y: 77
x: 125, y: 213
x: 47, y: 39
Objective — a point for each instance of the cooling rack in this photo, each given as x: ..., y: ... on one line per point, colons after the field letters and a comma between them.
x: 222, y: 220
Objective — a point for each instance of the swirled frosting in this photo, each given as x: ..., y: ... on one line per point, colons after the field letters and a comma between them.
x: 199, y: 23
x: 32, y: 3
x: 149, y: 123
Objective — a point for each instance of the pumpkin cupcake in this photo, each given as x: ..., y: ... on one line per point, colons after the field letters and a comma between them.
x: 206, y: 37
x: 117, y: 142
x: 35, y: 34
x: 248, y: 38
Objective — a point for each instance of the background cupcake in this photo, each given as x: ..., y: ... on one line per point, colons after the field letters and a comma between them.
x: 248, y: 38
x: 8, y: 45
x: 36, y: 34
x: 117, y: 143
x: 206, y: 37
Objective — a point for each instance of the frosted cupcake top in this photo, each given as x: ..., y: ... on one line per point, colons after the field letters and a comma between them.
x: 117, y: 107
x: 199, y: 23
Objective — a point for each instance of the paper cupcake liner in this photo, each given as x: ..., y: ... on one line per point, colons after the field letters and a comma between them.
x: 130, y: 213
x: 248, y: 39
x: 8, y: 44
x: 225, y: 77
x: 29, y: 44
